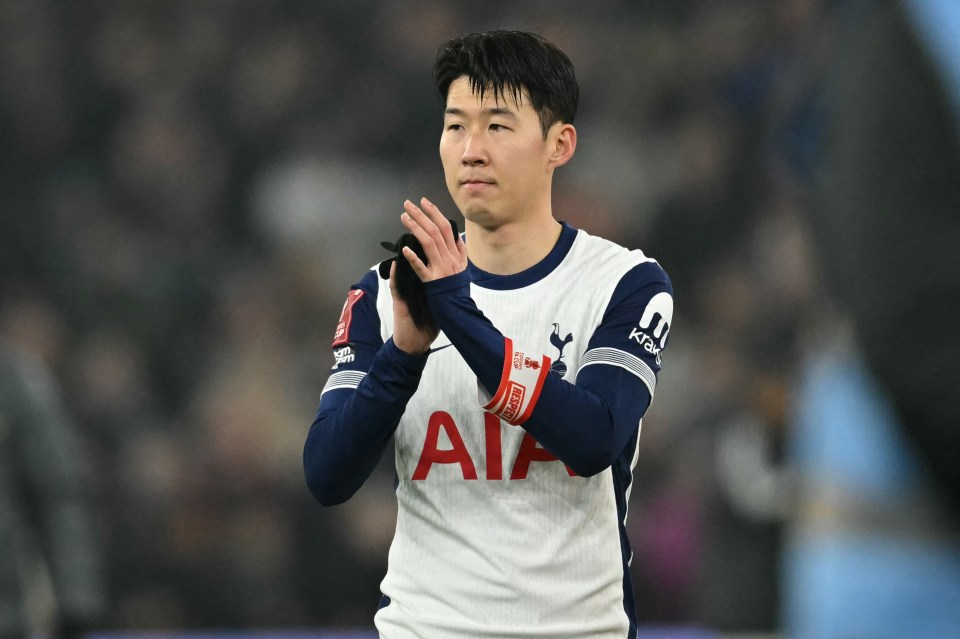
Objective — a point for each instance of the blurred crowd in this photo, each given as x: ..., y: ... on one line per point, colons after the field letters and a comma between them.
x: 190, y: 188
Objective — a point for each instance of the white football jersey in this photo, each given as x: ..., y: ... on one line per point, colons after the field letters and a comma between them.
x: 495, y: 537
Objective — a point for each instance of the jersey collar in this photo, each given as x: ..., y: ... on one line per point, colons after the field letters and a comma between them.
x: 533, y: 274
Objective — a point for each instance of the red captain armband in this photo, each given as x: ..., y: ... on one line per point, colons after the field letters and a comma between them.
x: 520, y: 385
x: 342, y: 336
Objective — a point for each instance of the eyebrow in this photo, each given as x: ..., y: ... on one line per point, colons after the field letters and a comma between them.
x: 489, y: 111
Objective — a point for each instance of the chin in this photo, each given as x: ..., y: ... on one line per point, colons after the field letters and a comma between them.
x: 474, y: 211
x: 481, y: 216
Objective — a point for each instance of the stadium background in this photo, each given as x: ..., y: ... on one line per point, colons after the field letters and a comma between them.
x: 189, y: 188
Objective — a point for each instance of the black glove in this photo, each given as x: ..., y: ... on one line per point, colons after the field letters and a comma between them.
x: 409, y: 286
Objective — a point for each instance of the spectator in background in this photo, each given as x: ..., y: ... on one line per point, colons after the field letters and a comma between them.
x: 46, y: 506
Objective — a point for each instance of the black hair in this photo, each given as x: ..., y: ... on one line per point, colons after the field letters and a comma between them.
x: 505, y: 62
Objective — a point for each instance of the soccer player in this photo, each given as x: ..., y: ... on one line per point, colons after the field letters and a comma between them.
x: 516, y: 410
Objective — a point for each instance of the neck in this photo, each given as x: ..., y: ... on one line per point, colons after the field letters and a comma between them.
x: 512, y: 247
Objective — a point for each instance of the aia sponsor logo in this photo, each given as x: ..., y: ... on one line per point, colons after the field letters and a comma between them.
x: 490, y: 459
x: 654, y: 327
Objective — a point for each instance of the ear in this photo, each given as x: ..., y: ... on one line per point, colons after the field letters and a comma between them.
x: 562, y: 139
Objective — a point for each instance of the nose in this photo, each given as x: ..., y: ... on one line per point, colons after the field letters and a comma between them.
x: 474, y: 153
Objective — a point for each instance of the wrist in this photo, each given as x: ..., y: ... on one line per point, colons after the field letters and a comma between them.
x: 449, y: 283
x: 412, y: 353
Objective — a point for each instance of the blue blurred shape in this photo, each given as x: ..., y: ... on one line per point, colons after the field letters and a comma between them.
x: 939, y: 24
x: 869, y: 556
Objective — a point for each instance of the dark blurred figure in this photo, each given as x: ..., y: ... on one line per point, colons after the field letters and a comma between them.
x: 874, y: 549
x: 45, y: 505
x: 888, y: 215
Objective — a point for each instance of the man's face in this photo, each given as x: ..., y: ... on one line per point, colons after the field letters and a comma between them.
x: 495, y: 159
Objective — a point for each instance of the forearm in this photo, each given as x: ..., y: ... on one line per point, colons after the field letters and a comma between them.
x: 583, y: 428
x: 479, y: 342
x: 575, y: 423
x: 353, y: 426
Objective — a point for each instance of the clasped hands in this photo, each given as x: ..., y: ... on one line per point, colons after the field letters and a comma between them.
x: 446, y: 255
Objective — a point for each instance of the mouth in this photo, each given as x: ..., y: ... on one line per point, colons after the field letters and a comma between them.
x: 475, y: 185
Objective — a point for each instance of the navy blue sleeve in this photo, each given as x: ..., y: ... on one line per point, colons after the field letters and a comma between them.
x: 362, y: 401
x: 586, y: 424
x: 623, y: 359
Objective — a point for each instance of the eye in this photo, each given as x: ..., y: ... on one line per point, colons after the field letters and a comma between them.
x: 454, y: 127
x: 498, y: 127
